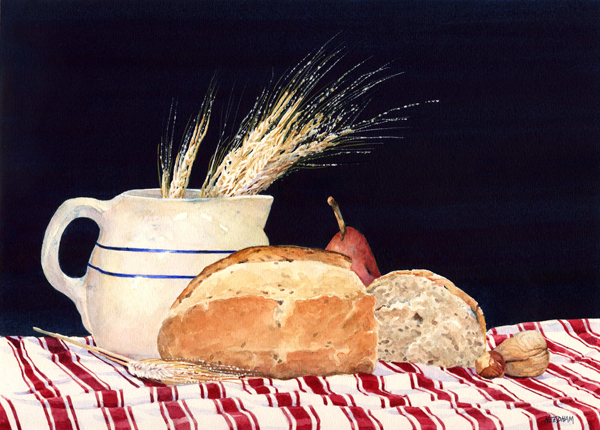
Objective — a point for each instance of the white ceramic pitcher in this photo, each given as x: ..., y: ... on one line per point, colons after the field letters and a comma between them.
x: 148, y: 250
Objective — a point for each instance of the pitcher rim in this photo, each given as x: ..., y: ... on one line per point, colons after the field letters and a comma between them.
x: 154, y: 194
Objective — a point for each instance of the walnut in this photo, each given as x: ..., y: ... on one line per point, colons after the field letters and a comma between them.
x: 525, y: 354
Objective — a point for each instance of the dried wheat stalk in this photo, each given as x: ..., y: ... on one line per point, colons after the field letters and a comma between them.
x: 298, y: 121
x: 170, y: 372
x: 294, y: 124
x: 194, y: 134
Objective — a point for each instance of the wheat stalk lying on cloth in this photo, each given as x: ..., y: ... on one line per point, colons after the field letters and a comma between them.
x: 295, y: 123
x: 168, y: 372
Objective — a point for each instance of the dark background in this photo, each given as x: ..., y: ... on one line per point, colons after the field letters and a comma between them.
x: 497, y: 187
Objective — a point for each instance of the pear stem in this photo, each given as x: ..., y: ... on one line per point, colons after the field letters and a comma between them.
x: 338, y: 215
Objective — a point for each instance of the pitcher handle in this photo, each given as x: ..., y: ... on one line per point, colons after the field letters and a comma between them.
x: 74, y: 288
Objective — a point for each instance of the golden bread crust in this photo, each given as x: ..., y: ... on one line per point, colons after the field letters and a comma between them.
x: 302, y: 331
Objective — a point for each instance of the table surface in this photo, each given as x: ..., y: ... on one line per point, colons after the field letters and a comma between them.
x: 46, y: 383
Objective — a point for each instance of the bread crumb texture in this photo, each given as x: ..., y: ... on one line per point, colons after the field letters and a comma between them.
x: 422, y: 322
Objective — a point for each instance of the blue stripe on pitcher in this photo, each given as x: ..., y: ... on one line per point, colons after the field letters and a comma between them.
x: 128, y: 275
x: 174, y: 251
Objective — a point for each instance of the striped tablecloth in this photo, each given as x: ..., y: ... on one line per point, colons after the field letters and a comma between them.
x: 45, y: 383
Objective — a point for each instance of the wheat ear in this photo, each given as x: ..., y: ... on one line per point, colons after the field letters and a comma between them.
x: 193, y: 136
x: 170, y: 372
x: 296, y: 123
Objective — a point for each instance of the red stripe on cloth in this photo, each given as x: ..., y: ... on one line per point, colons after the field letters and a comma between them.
x: 210, y: 390
x: 109, y: 399
x: 63, y: 355
x: 576, y: 380
x: 406, y: 367
x: 590, y: 331
x: 570, y: 410
x: 284, y: 399
x: 73, y: 413
x: 319, y: 386
x: 104, y: 411
x: 424, y: 420
x: 48, y: 394
x: 4, y: 422
x: 347, y: 399
x: 363, y: 420
x: 483, y: 421
x: 379, y: 423
x: 129, y: 412
x: 289, y: 417
x: 489, y: 388
x: 113, y: 403
x: 120, y: 370
x: 315, y: 416
x: 527, y: 326
x: 119, y: 418
x: 228, y: 419
x: 579, y: 326
x: 558, y: 348
x: 470, y: 383
x: 578, y: 358
x: 249, y: 412
x: 373, y: 384
x: 592, y: 414
x: 163, y: 414
x: 14, y: 412
x: 429, y: 385
x: 541, y: 417
x: 497, y: 420
x: 299, y: 418
x: 315, y: 384
x: 229, y: 407
x: 435, y: 417
x: 44, y: 389
x: 351, y: 419
x: 165, y: 394
x: 536, y: 387
x: 62, y: 367
x: 177, y: 415
x: 258, y: 385
x: 575, y: 355
x: 189, y: 412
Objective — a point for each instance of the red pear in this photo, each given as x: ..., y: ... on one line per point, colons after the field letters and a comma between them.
x: 351, y: 242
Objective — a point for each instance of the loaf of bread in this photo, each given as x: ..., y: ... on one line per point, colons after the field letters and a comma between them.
x: 279, y: 312
x: 426, y: 319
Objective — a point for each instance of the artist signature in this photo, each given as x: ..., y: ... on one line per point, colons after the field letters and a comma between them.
x: 555, y: 419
